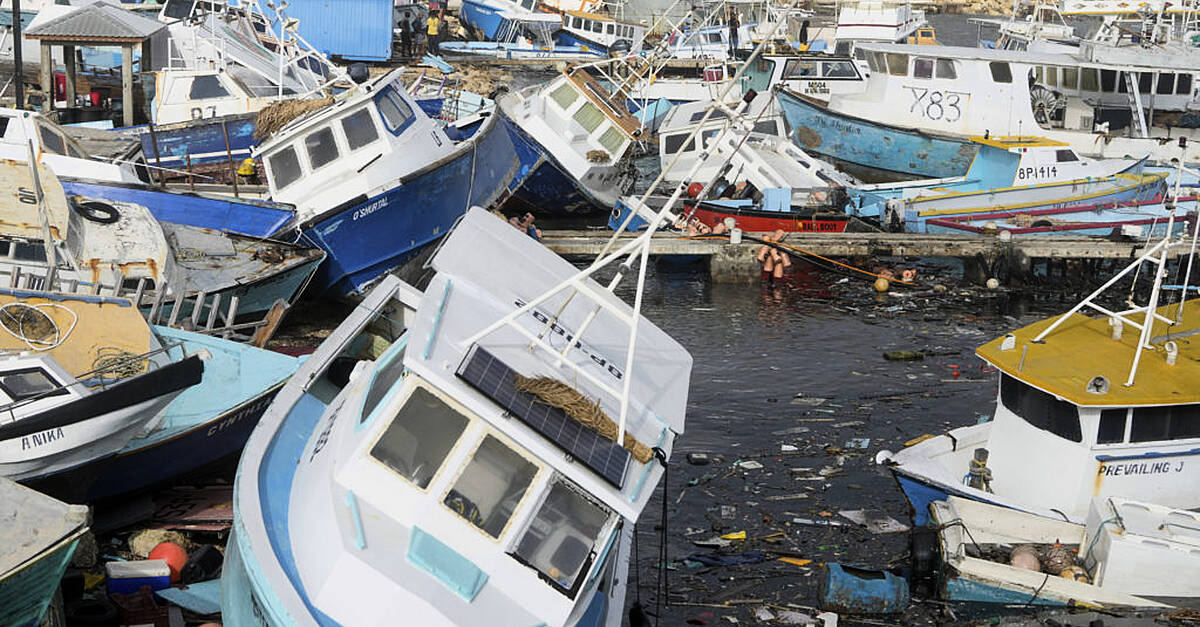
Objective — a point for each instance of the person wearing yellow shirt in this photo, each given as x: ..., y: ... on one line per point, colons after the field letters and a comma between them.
x: 432, y: 32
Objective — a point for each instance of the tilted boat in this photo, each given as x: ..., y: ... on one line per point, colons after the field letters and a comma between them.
x: 574, y: 139
x: 1015, y: 183
x: 1127, y: 554
x: 1087, y: 407
x: 37, y: 540
x: 374, y: 179
x: 80, y: 377
x: 421, y: 464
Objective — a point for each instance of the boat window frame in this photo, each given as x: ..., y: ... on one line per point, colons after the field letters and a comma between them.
x: 392, y: 95
x: 1100, y: 422
x: 1001, y: 72
x: 407, y: 388
x: 342, y: 129
x: 604, y: 537
x: 1183, y: 84
x: 929, y: 64
x: 308, y: 149
x: 214, y: 77
x: 476, y: 441
x: 272, y: 172
x: 58, y: 388
x: 1075, y: 435
x: 1171, y: 418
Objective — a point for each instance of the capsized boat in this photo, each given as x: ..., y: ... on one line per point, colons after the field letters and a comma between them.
x: 418, y: 463
x: 80, y: 377
x: 37, y: 540
x: 574, y: 139
x: 1127, y: 554
x: 1043, y: 180
x: 1087, y: 407
x: 95, y: 242
x: 524, y: 36
x: 374, y: 179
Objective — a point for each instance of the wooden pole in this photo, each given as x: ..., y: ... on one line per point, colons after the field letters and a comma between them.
x: 229, y: 155
x: 191, y: 179
x: 127, y: 84
x: 47, y: 77
x: 158, y: 173
x: 18, y: 61
x: 69, y: 61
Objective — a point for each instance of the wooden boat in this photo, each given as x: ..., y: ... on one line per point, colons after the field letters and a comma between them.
x: 37, y: 540
x: 426, y: 484
x: 1127, y: 554
x: 1087, y: 407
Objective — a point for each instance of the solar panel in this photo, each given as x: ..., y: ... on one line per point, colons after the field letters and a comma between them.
x: 486, y: 373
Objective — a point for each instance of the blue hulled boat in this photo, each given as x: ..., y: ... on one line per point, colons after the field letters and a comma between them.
x: 37, y: 540
x: 870, y: 149
x: 490, y: 18
x: 374, y: 179
x: 207, y: 423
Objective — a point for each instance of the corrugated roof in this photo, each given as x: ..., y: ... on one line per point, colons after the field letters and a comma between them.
x: 99, y: 21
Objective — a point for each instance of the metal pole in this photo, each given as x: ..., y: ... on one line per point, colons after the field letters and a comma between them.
x: 18, y: 62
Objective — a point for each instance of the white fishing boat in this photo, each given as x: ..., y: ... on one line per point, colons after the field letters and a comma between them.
x: 875, y: 21
x: 1127, y: 554
x: 527, y: 35
x: 601, y: 32
x: 817, y: 76
x: 80, y: 376
x: 761, y: 117
x: 1087, y: 407
x: 574, y: 139
x: 442, y: 480
x: 54, y: 147
x: 37, y: 541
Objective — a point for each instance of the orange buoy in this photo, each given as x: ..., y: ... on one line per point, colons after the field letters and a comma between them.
x: 173, y: 554
x: 694, y: 190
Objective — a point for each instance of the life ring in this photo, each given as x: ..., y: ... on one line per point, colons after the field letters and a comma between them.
x: 101, y: 213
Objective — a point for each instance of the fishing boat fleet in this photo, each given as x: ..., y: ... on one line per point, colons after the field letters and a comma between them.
x: 477, y: 439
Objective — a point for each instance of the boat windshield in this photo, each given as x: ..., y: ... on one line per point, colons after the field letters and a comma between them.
x: 560, y: 540
x: 1040, y: 409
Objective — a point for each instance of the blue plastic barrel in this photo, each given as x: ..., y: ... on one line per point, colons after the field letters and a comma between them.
x: 845, y: 589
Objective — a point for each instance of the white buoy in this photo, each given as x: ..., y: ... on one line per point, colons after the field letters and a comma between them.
x: 881, y: 285
x: 992, y: 283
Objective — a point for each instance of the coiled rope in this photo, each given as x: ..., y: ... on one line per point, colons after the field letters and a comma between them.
x: 33, y: 326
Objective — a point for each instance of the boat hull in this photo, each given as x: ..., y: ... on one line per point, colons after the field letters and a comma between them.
x: 883, y: 150
x: 763, y: 221
x: 547, y: 188
x: 369, y: 236
x: 25, y: 593
x: 203, y: 140
x: 482, y: 17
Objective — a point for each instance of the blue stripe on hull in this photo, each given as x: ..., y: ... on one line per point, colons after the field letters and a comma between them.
x: 481, y: 17
x: 960, y: 589
x: 25, y: 594
x: 379, y: 234
x: 919, y: 495
x: 548, y: 188
x: 203, y: 139
x: 256, y: 219
x: 871, y: 145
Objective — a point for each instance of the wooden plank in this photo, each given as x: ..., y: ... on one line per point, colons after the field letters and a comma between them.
x: 270, y: 324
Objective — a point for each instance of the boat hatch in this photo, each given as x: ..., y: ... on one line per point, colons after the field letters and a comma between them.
x: 22, y: 382
x: 494, y: 379
x: 561, y: 538
x: 1040, y: 409
x: 394, y: 110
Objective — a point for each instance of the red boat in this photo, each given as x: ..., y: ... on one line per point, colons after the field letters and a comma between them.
x: 750, y: 218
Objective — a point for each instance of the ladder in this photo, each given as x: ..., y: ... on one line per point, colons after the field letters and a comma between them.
x: 1135, y: 104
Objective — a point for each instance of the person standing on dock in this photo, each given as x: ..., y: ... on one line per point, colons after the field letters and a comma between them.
x: 733, y: 31
x: 406, y: 36
x: 432, y: 28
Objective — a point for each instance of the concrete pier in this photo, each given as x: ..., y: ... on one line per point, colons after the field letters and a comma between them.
x: 982, y: 256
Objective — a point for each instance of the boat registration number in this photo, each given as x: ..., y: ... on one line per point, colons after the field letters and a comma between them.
x: 936, y: 104
x: 1037, y: 172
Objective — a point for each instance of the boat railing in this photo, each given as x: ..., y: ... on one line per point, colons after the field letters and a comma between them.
x: 114, y: 369
x: 1157, y: 257
x: 200, y: 312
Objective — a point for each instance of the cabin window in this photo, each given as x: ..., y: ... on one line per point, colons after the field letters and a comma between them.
x: 25, y: 384
x: 559, y: 540
x: 796, y: 68
x: 1065, y: 155
x: 1089, y: 80
x: 1051, y: 77
x: 396, y: 113
x: 714, y: 38
x: 897, y: 64
x: 766, y: 126
x: 207, y: 87
x: 842, y: 47
x: 594, y: 26
x: 922, y: 68
x: 178, y: 9
x: 589, y: 117
x: 29, y: 251
x: 321, y: 147
x: 1070, y: 78
x: 1112, y: 426
x: 359, y: 129
x: 1166, y: 84
x: 838, y: 69
x: 528, y: 4
x: 1171, y: 422
x: 612, y: 139
x: 672, y: 143
x: 388, y: 370
x: 1001, y: 73
x: 608, y: 29
x: 491, y: 486
x: 420, y: 437
x: 1183, y: 86
x: 51, y: 142
x: 564, y: 95
x: 75, y: 152
x: 1040, y: 409
x: 1145, y: 82
x: 576, y: 22
x: 945, y: 69
x: 285, y: 167
x: 875, y: 62
x: 1108, y: 81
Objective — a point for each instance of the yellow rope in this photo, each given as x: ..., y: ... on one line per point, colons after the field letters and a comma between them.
x: 555, y: 393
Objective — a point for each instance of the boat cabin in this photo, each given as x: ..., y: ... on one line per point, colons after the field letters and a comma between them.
x: 583, y: 114
x: 193, y: 94
x: 600, y: 31
x: 357, y: 146
x: 33, y: 383
x: 816, y: 76
x: 682, y: 119
x: 55, y: 148
x: 877, y: 21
